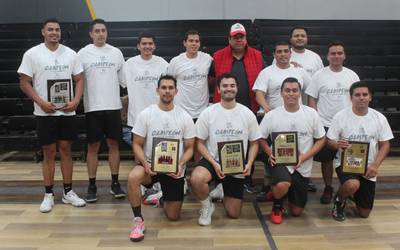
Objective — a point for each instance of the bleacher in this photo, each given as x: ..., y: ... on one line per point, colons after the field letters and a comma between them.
x: 372, y: 51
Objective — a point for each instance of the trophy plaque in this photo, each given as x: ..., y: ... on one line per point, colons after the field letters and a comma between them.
x: 165, y: 155
x: 231, y: 157
x: 355, y: 158
x: 59, y: 92
x: 285, y: 148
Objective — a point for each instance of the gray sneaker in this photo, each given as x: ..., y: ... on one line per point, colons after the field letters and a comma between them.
x: 117, y: 191
x: 91, y: 195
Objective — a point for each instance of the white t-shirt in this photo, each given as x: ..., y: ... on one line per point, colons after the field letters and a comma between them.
x: 42, y: 64
x: 103, y: 73
x: 217, y: 124
x: 173, y: 124
x: 309, y: 61
x: 192, y: 76
x: 372, y: 127
x: 332, y: 91
x: 307, y: 124
x: 270, y: 80
x: 140, y: 78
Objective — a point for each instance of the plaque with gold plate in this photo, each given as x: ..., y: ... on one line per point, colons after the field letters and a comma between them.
x: 285, y: 148
x: 355, y: 158
x: 231, y: 157
x: 59, y: 92
x: 165, y: 155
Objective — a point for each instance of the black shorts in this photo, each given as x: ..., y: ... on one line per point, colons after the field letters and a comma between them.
x: 173, y: 189
x: 51, y: 129
x: 103, y: 123
x: 297, y: 193
x: 326, y: 153
x: 233, y: 187
x: 365, y: 195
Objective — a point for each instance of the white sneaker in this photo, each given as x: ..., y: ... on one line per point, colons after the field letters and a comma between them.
x: 153, y: 199
x: 72, y: 198
x: 47, y: 203
x: 206, y: 212
x: 217, y: 193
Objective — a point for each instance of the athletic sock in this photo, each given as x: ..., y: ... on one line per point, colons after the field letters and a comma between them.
x: 137, y: 211
x: 49, y: 189
x: 114, y: 178
x: 67, y: 187
x: 92, y: 181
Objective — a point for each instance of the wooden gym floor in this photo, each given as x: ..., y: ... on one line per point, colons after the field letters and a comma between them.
x: 105, y: 224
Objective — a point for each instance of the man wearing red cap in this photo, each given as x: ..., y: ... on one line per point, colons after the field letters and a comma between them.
x: 244, y: 62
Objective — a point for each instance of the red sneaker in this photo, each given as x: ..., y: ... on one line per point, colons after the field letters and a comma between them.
x: 276, y: 215
x: 137, y: 232
x: 270, y: 196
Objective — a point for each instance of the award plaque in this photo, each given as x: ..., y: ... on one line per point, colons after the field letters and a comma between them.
x: 59, y: 92
x: 355, y: 158
x: 231, y: 157
x: 165, y: 155
x: 285, y: 148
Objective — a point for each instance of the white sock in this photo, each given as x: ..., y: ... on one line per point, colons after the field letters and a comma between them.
x: 206, y: 201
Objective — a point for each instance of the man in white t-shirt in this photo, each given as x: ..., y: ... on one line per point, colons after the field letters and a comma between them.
x: 102, y: 65
x: 269, y: 81
x: 328, y: 94
x: 141, y: 74
x: 168, y: 121
x: 191, y: 71
x: 267, y: 89
x: 301, y: 56
x: 359, y: 123
x: 47, y: 72
x: 223, y: 122
x: 292, y: 181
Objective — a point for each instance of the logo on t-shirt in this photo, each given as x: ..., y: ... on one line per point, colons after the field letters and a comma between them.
x: 361, y: 136
x: 338, y: 90
x: 102, y: 64
x: 194, y: 76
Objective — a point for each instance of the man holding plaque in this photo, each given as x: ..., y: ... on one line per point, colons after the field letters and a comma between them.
x: 297, y: 135
x: 224, y: 131
x: 328, y: 94
x: 46, y: 75
x: 163, y: 143
x: 358, y: 165
x: 102, y: 64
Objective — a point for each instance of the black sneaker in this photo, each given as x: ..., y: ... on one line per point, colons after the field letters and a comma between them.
x: 338, y: 209
x: 326, y: 197
x: 117, y: 191
x: 91, y: 195
x: 249, y: 188
x: 311, y: 187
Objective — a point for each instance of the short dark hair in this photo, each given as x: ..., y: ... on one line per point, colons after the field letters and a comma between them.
x: 336, y: 43
x: 50, y: 20
x: 359, y: 84
x: 191, y: 32
x: 96, y: 21
x: 298, y: 28
x: 290, y: 79
x: 166, y: 77
x: 281, y: 43
x: 226, y: 76
x: 145, y: 35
